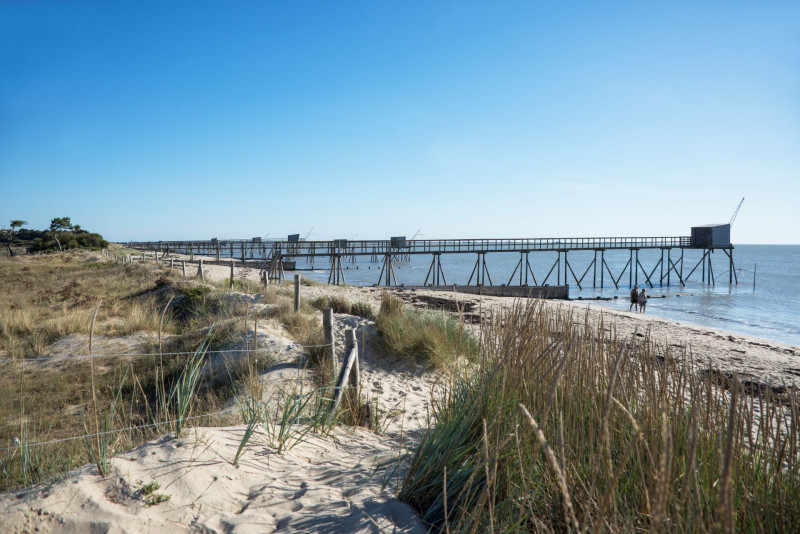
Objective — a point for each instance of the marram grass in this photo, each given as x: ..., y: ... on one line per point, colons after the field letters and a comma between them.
x: 564, y: 427
x: 436, y: 339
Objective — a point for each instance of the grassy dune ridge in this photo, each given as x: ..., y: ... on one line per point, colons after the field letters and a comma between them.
x: 50, y: 297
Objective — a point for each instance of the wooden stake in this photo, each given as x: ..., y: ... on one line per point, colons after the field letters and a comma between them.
x: 344, y: 377
x: 183, y: 267
x: 327, y: 328
x: 296, y: 293
x: 232, y: 262
x: 355, y: 375
x: 255, y: 335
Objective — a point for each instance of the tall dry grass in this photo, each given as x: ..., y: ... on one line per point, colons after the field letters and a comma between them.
x: 53, y: 296
x: 45, y: 298
x: 566, y: 427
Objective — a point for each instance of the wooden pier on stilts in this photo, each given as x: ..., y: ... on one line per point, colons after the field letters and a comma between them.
x: 670, y: 266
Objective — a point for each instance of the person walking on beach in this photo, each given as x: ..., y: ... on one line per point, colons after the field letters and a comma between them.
x: 634, y: 297
x: 642, y: 299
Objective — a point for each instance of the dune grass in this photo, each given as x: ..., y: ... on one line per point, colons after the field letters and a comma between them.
x: 436, y: 339
x: 341, y: 304
x: 55, y: 296
x: 565, y: 427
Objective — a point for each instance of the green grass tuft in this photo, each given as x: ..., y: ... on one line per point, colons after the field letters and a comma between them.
x: 434, y: 338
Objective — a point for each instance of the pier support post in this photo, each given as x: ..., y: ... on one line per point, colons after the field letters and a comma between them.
x: 435, y: 272
x: 388, y: 269
x: 336, y: 274
x: 630, y: 271
x: 602, y: 263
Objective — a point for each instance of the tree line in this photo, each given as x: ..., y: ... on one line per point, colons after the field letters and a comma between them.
x: 60, y: 234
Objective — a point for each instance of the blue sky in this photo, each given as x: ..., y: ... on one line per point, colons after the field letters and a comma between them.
x: 192, y: 120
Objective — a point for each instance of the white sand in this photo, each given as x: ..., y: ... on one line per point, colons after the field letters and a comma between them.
x: 333, y: 483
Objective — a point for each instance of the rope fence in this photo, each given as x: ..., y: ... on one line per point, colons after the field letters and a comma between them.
x: 107, y: 432
x: 146, y: 355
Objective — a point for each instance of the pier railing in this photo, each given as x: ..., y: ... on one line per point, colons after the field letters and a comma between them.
x: 425, y: 246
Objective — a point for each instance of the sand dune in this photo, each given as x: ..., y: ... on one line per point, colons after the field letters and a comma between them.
x: 340, y: 482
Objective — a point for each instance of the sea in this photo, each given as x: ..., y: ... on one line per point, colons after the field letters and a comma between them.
x: 763, y: 301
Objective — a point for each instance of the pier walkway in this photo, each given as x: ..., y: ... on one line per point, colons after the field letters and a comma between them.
x: 273, y: 254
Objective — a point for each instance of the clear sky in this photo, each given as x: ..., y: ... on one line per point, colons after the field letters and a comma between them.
x: 191, y: 120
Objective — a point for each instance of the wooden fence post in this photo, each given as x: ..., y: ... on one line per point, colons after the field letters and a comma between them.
x: 296, y: 293
x: 191, y: 252
x: 232, y: 262
x: 327, y: 328
x: 156, y: 253
x: 355, y: 374
x: 200, y: 270
x: 351, y: 357
x: 183, y: 267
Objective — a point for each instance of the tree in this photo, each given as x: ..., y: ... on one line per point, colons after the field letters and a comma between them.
x: 14, y: 225
x: 59, y: 224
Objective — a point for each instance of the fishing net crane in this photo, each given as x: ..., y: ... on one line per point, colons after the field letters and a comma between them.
x: 735, y: 213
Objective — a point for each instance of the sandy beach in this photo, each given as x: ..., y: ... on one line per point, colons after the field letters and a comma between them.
x: 341, y: 482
